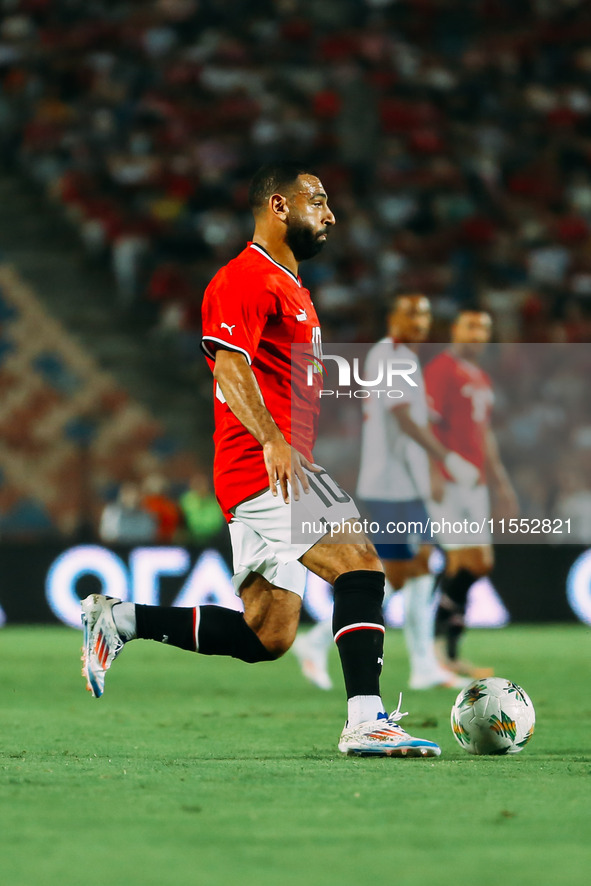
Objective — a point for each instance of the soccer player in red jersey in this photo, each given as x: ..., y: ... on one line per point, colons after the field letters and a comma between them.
x: 254, y: 310
x: 460, y: 398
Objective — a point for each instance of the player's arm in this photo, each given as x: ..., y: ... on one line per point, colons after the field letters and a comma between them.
x: 109, y: 524
x: 420, y: 434
x: 243, y: 396
x: 461, y: 470
x: 498, y: 478
x: 436, y: 480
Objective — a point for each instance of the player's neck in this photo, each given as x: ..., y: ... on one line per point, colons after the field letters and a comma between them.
x: 396, y: 340
x: 459, y: 352
x: 277, y: 249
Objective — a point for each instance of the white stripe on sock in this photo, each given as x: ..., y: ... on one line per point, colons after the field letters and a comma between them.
x: 197, y: 621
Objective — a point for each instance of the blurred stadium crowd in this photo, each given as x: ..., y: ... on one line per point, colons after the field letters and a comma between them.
x: 453, y: 136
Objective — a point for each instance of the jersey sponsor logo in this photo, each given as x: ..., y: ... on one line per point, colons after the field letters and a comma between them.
x: 302, y: 316
x: 229, y: 328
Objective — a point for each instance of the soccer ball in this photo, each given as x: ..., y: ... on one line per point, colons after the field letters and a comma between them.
x: 493, y: 716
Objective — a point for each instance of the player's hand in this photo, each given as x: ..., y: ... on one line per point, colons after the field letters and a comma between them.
x: 505, y: 500
x: 463, y: 472
x: 437, y: 483
x: 285, y: 468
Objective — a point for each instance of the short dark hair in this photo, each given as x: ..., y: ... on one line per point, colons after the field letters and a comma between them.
x: 273, y: 178
x: 471, y: 307
x: 397, y: 298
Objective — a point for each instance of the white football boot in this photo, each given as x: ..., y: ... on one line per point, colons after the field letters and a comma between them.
x: 384, y: 737
x: 102, y: 641
x: 437, y: 678
x: 461, y: 667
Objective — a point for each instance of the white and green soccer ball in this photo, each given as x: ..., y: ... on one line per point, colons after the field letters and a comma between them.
x: 493, y: 716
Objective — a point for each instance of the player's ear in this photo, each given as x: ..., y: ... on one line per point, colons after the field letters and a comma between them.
x: 279, y: 206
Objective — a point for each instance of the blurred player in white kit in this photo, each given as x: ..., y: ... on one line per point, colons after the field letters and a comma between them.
x: 394, y: 486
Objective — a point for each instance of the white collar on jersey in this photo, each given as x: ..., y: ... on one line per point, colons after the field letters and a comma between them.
x: 264, y: 252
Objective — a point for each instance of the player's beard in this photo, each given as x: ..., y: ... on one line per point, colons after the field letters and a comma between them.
x: 303, y: 241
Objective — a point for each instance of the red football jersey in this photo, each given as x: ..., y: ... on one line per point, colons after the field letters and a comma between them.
x: 256, y: 306
x: 460, y: 398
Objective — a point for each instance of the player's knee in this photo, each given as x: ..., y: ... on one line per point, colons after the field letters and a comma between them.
x: 396, y: 574
x: 478, y: 561
x: 421, y: 561
x: 483, y: 563
x: 362, y: 558
x: 369, y: 560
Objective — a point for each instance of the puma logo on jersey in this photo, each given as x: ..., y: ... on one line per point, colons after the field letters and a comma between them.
x: 229, y: 328
x: 303, y: 316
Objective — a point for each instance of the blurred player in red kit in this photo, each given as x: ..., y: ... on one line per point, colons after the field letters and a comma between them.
x: 460, y: 399
x: 254, y: 310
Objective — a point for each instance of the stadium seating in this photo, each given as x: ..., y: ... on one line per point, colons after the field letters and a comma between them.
x: 453, y: 140
x: 68, y: 434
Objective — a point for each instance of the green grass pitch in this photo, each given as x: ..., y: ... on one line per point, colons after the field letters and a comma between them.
x: 192, y: 770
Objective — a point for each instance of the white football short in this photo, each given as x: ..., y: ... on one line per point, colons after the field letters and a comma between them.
x: 267, y: 535
x: 463, y: 515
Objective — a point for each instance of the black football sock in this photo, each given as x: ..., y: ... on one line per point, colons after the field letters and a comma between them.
x: 223, y: 631
x: 450, y: 618
x: 358, y: 627
x: 210, y: 630
x: 166, y: 624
